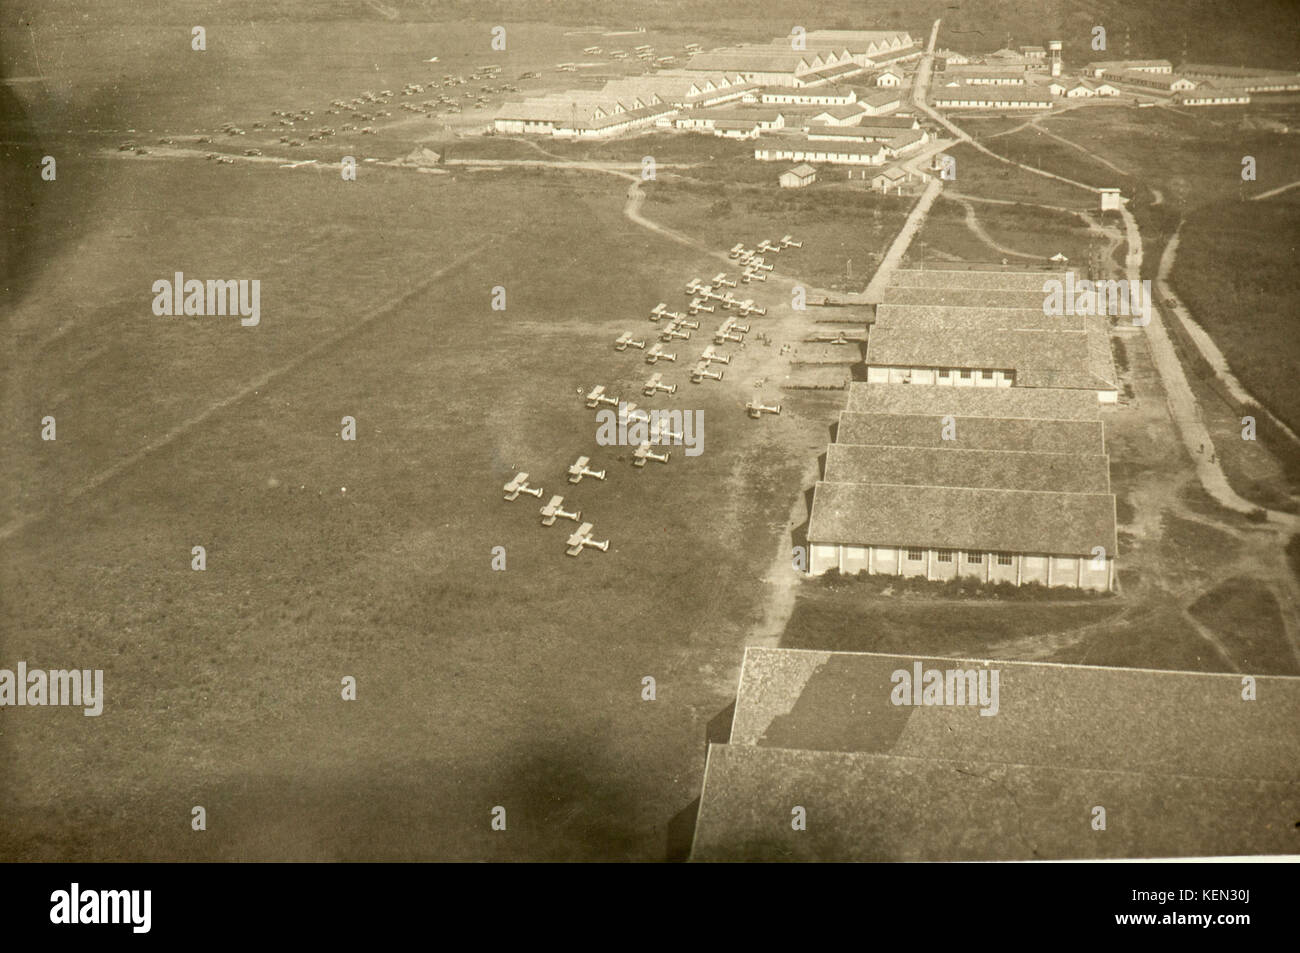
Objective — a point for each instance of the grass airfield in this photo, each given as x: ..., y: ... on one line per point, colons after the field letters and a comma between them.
x: 476, y: 688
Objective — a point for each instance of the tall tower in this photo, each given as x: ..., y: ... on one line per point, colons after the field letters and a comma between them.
x: 1054, y: 53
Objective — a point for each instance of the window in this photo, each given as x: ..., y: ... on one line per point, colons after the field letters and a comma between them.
x: 915, y: 555
x: 974, y: 557
x: 945, y: 555
x: 986, y: 375
x: 965, y: 375
x: 1004, y: 559
x: 943, y: 375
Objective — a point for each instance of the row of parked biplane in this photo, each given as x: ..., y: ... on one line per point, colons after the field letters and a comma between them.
x: 554, y: 510
x: 705, y: 297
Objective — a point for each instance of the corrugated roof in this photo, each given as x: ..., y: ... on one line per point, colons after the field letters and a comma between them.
x: 828, y: 73
x: 986, y: 469
x: 1039, y: 358
x: 820, y: 728
x: 757, y: 59
x: 973, y: 433
x: 827, y: 148
x: 905, y: 138
x: 923, y: 809
x: 858, y: 40
x: 978, y: 520
x: 965, y: 297
x: 875, y: 130
x: 1024, y: 402
x: 1083, y: 716
x: 845, y: 111
x: 745, y: 113
x: 993, y: 319
x: 893, y: 122
x: 1128, y: 64
x: 968, y: 278
x: 842, y: 133
x: 984, y: 72
x: 881, y: 98
x: 991, y: 94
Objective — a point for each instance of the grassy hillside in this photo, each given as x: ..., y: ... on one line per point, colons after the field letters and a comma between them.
x: 1202, y: 29
x: 1236, y: 271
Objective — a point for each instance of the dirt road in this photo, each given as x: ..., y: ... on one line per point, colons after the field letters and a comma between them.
x: 1182, y: 402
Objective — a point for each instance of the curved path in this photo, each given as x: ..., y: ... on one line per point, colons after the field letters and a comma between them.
x: 1183, y: 406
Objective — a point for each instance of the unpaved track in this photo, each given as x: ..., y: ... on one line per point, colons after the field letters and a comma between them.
x: 1084, y: 149
x: 894, y: 257
x: 1182, y: 402
x: 973, y: 223
x: 1272, y: 192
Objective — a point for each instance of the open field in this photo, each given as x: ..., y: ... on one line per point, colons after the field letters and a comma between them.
x: 475, y: 687
x: 1036, y: 233
x: 854, y: 228
x: 1040, y: 151
x: 982, y: 175
x: 1236, y: 271
x: 1245, y: 615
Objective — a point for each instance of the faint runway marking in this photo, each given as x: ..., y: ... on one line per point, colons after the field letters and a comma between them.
x: 22, y: 522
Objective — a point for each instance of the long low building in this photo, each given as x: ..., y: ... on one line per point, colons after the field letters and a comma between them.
x: 773, y: 66
x: 684, y: 89
x: 1038, y: 435
x: 1167, y: 83
x: 829, y: 75
x: 1045, y: 403
x: 751, y: 117
x: 880, y: 101
x: 991, y: 97
x: 808, y: 96
x: 943, y: 532
x: 1096, y: 70
x: 981, y: 76
x: 832, y: 153
x: 953, y: 356
x: 585, y: 116
x: 977, y: 469
x: 1240, y: 79
x: 829, y: 731
x: 854, y: 133
x: 621, y: 104
x: 1207, y: 95
x: 865, y: 46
